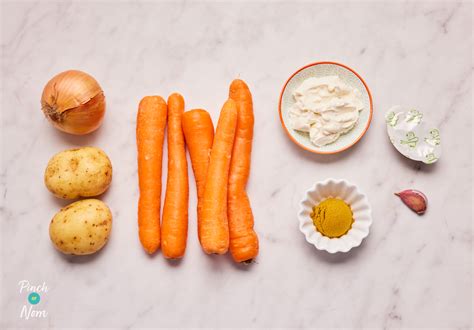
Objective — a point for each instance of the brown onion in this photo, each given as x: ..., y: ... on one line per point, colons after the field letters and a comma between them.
x: 74, y: 102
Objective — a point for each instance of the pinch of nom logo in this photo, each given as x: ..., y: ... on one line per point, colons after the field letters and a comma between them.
x: 33, y: 295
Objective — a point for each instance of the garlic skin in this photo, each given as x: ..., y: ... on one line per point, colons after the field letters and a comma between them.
x: 414, y: 199
x: 74, y: 102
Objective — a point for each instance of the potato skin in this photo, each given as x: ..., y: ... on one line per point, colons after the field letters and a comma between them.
x: 82, y: 172
x: 82, y: 227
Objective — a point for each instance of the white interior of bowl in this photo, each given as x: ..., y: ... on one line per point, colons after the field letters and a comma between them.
x: 360, y: 209
x: 320, y: 70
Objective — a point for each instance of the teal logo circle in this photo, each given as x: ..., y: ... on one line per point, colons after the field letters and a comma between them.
x: 34, y: 298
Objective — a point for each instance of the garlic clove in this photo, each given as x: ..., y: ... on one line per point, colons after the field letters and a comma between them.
x: 414, y: 199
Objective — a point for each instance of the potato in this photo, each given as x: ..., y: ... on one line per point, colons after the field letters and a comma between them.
x: 83, y: 172
x: 82, y: 227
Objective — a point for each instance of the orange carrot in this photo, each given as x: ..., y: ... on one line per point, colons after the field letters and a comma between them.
x: 199, y: 134
x: 174, y: 229
x: 243, y: 239
x: 214, y: 229
x: 151, y: 122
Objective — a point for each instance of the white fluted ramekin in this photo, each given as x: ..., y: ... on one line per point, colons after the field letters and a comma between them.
x: 349, y: 193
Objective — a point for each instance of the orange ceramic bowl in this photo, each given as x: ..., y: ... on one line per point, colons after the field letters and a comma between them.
x: 320, y: 69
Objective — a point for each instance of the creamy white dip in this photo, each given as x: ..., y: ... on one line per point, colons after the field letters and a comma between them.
x: 326, y: 108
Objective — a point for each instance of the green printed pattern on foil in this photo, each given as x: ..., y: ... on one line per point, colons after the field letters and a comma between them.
x: 391, y: 118
x: 431, y: 158
x: 435, y: 139
x: 411, y: 140
x: 413, y: 116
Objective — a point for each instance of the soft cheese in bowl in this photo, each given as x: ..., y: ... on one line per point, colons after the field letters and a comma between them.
x: 326, y: 108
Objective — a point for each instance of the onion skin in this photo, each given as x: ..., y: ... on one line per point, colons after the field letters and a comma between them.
x: 74, y: 102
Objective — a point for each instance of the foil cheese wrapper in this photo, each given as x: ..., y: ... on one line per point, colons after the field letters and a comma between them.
x: 412, y: 136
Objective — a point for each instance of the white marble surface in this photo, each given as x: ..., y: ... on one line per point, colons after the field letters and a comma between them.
x: 411, y: 271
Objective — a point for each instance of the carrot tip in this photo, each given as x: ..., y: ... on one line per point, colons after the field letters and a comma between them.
x: 150, y: 252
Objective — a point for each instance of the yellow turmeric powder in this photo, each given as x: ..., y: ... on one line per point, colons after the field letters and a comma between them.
x: 332, y: 217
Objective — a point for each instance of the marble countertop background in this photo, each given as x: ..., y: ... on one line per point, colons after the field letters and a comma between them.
x: 411, y: 271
